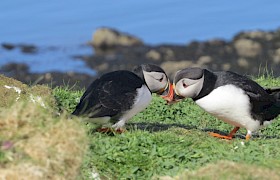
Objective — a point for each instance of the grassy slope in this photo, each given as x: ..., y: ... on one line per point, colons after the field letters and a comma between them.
x: 36, y: 143
x: 166, y: 140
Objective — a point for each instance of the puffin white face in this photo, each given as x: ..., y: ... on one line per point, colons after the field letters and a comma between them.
x: 189, y: 88
x: 156, y: 81
x: 188, y: 83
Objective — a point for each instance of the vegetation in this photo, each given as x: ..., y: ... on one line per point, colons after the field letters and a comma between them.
x: 163, y: 142
x: 36, y: 142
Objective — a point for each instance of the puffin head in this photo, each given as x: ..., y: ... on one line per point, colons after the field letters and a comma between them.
x: 156, y: 80
x: 188, y: 83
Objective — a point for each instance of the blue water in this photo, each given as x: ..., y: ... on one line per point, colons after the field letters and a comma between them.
x: 48, y: 59
x: 68, y: 24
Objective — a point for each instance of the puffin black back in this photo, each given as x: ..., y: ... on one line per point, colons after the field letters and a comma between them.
x: 243, y: 82
x: 106, y: 90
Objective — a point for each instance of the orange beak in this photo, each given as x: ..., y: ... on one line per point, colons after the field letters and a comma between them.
x: 170, y: 94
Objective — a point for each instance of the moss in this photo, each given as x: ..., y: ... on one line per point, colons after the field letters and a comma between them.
x: 8, y: 93
x: 12, y: 91
x: 34, y: 143
x: 41, y: 146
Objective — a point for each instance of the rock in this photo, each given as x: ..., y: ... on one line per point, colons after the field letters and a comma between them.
x: 226, y: 66
x: 242, y: 62
x: 25, y: 48
x: 267, y: 36
x: 21, y: 73
x: 276, y: 56
x: 245, y: 54
x: 103, y: 67
x: 248, y: 48
x: 216, y: 42
x: 14, y: 67
x: 107, y: 38
x: 153, y: 55
x: 171, y: 67
x: 202, y: 60
x: 8, y: 46
x: 168, y: 53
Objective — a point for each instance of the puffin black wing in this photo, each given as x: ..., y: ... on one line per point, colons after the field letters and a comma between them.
x: 109, y: 95
x: 264, y: 106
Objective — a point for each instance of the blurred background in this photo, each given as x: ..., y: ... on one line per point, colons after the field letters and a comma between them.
x: 69, y: 42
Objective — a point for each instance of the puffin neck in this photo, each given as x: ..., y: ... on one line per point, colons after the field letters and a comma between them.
x: 139, y: 72
x: 208, y: 84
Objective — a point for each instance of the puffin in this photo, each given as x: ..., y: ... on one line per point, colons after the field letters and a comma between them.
x: 230, y: 97
x: 117, y: 96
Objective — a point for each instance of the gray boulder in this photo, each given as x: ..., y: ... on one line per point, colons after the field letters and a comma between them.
x: 107, y: 38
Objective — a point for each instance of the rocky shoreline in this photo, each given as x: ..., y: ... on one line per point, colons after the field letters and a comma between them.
x: 251, y: 53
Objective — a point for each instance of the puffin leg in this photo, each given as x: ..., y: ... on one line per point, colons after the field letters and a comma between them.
x: 232, y: 133
x: 118, y: 127
x: 228, y: 137
x: 110, y: 130
x: 104, y: 130
x: 120, y: 130
x: 248, y: 135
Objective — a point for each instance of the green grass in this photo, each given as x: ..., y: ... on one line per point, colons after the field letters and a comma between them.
x: 167, y: 139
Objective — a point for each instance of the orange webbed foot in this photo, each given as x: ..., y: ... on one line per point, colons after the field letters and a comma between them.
x: 248, y: 135
x: 220, y: 136
x: 228, y: 137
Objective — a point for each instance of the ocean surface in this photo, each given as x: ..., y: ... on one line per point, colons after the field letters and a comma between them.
x: 60, y: 29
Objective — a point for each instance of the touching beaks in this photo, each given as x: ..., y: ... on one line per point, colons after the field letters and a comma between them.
x: 169, y: 93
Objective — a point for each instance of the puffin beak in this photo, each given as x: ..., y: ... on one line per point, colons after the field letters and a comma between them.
x: 169, y: 93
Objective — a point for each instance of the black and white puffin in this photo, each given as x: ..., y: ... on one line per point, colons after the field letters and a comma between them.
x: 117, y: 96
x: 231, y: 97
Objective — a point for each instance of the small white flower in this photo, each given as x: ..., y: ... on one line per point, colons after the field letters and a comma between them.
x: 242, y: 143
x: 37, y: 99
x: 95, y: 175
x: 77, y: 100
x: 18, y: 90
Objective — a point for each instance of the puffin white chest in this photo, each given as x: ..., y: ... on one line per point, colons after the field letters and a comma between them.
x: 230, y: 104
x: 141, y: 101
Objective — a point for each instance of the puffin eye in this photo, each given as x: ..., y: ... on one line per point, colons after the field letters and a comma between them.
x: 161, y: 79
x: 184, y: 85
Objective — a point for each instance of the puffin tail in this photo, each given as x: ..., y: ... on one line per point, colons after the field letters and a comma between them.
x: 275, y: 92
x: 76, y: 112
